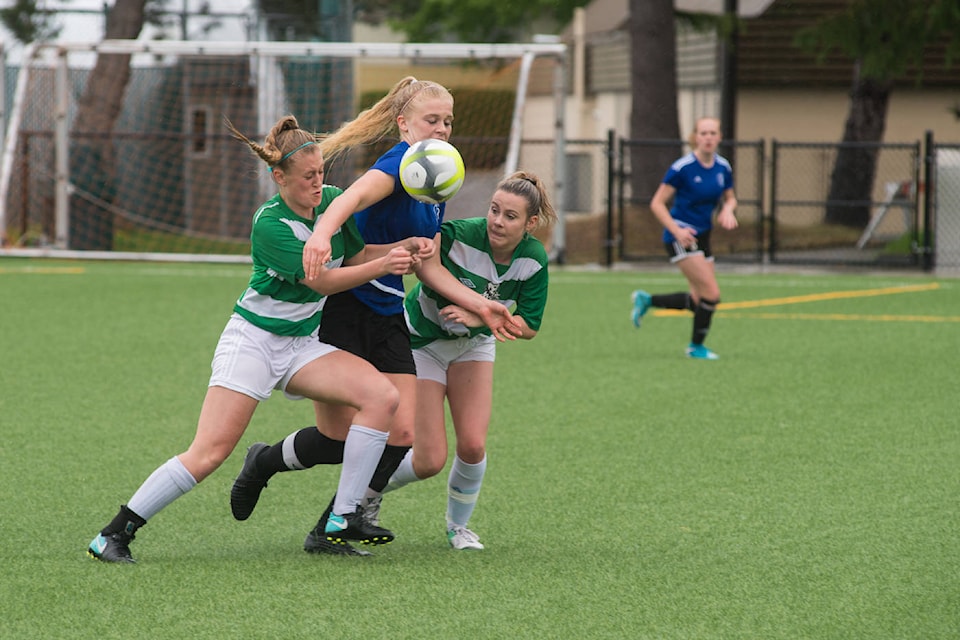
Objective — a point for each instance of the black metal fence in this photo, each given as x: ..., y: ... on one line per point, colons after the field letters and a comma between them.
x: 794, y: 209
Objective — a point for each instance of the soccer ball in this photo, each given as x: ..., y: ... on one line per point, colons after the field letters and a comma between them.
x: 432, y: 171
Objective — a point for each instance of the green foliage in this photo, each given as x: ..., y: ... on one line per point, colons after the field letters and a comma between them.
x: 887, y: 37
x: 471, y: 21
x: 27, y: 22
x: 482, y: 117
x: 803, y: 486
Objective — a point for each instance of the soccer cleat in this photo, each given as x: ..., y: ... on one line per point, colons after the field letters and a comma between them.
x: 354, y: 526
x: 111, y: 548
x: 641, y: 304
x: 246, y: 489
x: 317, y: 542
x: 700, y: 352
x: 461, y: 538
x: 371, y: 508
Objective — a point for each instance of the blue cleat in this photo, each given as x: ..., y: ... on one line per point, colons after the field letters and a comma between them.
x: 111, y: 548
x: 641, y: 303
x: 700, y: 352
x: 354, y: 526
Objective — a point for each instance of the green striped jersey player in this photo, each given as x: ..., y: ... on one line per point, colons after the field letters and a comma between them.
x: 274, y: 300
x: 499, y: 257
x: 466, y: 252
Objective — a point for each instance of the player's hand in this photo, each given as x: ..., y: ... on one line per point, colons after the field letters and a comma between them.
x: 398, y: 261
x: 421, y: 248
x: 728, y: 220
x: 685, y: 237
x: 316, y: 253
x: 501, y: 322
x: 454, y: 313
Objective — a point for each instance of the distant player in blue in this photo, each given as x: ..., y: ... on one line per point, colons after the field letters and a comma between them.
x: 698, y: 183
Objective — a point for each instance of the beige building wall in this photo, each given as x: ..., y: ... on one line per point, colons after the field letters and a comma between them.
x: 819, y: 116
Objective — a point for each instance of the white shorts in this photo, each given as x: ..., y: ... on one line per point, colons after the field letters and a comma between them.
x: 254, y: 362
x: 434, y: 359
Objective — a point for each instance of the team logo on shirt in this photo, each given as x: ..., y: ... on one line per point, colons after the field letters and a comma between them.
x: 493, y: 291
x: 720, y: 179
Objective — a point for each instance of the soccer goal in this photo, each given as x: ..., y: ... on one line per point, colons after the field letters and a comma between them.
x: 119, y: 149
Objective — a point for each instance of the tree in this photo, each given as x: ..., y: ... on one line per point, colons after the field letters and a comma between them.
x: 885, y: 39
x: 92, y: 158
x: 653, y: 83
x: 27, y: 22
x: 475, y: 21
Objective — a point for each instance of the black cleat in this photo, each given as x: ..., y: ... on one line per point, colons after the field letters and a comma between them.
x: 246, y: 489
x: 317, y: 542
x: 355, y: 526
x: 111, y: 548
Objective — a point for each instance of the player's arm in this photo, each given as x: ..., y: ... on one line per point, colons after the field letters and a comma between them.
x: 372, y: 187
x: 727, y: 218
x: 417, y: 246
x: 659, y: 206
x: 497, y: 317
x: 397, y: 261
x: 456, y: 313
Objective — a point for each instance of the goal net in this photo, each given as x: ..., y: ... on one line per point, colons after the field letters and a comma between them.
x: 119, y: 149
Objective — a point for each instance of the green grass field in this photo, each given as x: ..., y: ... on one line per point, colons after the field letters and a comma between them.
x: 803, y: 486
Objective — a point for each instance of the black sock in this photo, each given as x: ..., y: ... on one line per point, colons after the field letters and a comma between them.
x: 125, y: 520
x: 389, y: 461
x: 322, y: 522
x: 309, y: 445
x: 679, y: 300
x: 702, y: 316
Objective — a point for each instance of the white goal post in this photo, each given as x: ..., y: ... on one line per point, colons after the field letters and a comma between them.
x: 165, y: 182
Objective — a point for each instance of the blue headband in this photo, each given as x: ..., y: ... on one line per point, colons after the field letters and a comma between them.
x: 280, y: 161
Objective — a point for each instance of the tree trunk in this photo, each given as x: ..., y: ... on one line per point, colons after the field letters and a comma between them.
x: 92, y: 158
x: 653, y: 78
x: 851, y: 183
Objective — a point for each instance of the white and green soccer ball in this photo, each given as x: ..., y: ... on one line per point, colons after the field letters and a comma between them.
x: 432, y: 171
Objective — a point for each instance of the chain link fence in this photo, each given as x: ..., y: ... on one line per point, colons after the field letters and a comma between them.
x: 883, y: 205
x: 945, y: 175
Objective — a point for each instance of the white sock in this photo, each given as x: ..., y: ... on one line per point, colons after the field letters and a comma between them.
x: 167, y: 483
x: 361, y: 454
x: 404, y: 474
x: 463, y: 488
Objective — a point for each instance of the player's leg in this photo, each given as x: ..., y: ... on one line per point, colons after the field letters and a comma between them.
x: 470, y: 394
x: 223, y: 418
x: 700, y: 273
x: 302, y: 449
x: 342, y: 378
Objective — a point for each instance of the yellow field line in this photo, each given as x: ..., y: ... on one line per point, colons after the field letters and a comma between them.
x: 44, y: 270
x: 841, y: 316
x: 725, y: 307
x: 832, y: 295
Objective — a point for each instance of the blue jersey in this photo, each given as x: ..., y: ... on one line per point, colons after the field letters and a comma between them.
x: 395, y: 218
x: 699, y: 191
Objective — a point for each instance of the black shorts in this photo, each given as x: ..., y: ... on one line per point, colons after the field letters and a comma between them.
x: 383, y: 341
x: 701, y: 244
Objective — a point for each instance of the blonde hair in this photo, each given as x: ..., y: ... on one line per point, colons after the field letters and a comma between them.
x: 529, y: 187
x: 378, y: 121
x: 692, y: 138
x: 284, y: 140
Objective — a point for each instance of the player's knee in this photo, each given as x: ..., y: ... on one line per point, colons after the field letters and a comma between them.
x: 383, y: 396
x: 428, y: 466
x: 471, y: 452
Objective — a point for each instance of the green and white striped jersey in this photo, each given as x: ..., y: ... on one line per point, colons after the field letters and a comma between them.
x: 465, y: 252
x: 275, y: 300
